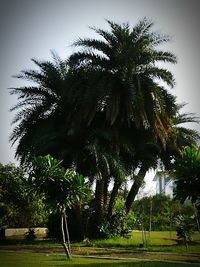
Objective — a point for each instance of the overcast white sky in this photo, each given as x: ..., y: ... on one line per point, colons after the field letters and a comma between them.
x: 29, y: 29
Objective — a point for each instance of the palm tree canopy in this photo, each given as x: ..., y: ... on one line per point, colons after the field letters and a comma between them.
x: 124, y: 64
x: 99, y: 102
x: 43, y: 109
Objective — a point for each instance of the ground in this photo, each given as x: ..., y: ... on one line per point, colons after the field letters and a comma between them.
x: 162, y: 250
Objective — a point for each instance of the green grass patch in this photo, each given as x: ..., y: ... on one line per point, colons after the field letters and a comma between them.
x: 156, y: 241
x: 8, y: 259
x: 158, y: 244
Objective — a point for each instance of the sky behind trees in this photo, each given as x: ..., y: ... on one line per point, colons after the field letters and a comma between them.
x: 30, y: 29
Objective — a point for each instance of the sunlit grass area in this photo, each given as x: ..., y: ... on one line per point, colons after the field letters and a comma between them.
x: 155, y: 241
x: 8, y: 259
x: 161, y: 246
x: 162, y: 241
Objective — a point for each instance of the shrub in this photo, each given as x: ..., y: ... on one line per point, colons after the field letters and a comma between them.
x: 119, y: 223
x: 185, y: 228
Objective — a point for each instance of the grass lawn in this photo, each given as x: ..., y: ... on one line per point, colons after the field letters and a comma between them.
x: 156, y: 241
x: 160, y: 246
x: 19, y: 259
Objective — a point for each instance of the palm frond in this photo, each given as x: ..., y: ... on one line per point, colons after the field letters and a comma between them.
x: 94, y: 44
x: 161, y: 74
x: 164, y: 56
x: 186, y: 118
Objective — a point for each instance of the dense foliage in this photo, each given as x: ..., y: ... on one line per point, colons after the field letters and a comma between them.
x: 62, y: 189
x: 187, y: 174
x: 185, y: 228
x: 160, y: 212
x: 20, y: 206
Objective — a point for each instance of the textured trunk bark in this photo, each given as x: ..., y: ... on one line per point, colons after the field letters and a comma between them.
x: 99, y: 200
x: 135, y: 188
x: 77, y: 223
x: 95, y: 220
x: 105, y: 192
x: 113, y: 196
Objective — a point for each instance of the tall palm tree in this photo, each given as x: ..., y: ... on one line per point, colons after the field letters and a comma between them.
x: 48, y: 122
x: 124, y: 67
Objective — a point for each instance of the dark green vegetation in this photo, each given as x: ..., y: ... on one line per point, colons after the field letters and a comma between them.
x: 160, y: 212
x: 187, y: 174
x: 20, y: 205
x: 164, y: 241
x: 60, y: 188
x: 104, y: 114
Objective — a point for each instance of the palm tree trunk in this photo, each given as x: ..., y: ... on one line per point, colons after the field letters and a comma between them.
x: 135, y: 188
x: 196, y: 217
x: 105, y: 192
x: 113, y: 196
x: 99, y: 200
x: 94, y: 221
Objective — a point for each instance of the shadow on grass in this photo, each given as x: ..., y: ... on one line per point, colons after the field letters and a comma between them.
x: 115, y: 263
x: 100, y: 264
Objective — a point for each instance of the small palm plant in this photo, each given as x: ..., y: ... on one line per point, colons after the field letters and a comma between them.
x: 61, y: 187
x: 185, y: 229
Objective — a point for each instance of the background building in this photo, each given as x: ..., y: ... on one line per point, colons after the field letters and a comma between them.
x: 164, y: 184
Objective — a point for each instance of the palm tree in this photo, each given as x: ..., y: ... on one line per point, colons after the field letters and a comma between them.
x: 124, y: 68
x: 48, y: 122
x: 100, y: 164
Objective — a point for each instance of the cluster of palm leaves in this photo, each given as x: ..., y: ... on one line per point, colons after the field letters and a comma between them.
x: 103, y: 109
